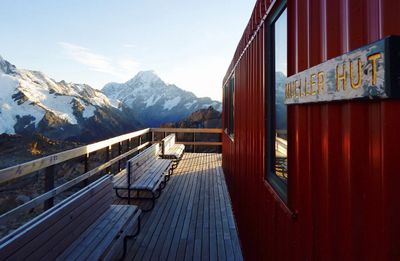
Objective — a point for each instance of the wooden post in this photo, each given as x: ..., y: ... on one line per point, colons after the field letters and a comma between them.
x: 220, y: 139
x: 119, y: 153
x: 49, y: 185
x: 108, y: 152
x: 86, y: 168
x: 194, y: 140
x: 152, y: 137
x: 140, y: 143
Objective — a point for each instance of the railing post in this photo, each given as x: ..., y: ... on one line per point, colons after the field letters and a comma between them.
x: 140, y: 143
x: 152, y: 137
x: 108, y: 152
x: 194, y: 140
x: 86, y: 168
x: 220, y: 139
x: 119, y: 153
x: 49, y: 185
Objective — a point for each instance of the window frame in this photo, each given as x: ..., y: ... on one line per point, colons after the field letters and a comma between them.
x: 279, y: 186
x: 229, y: 107
x: 231, y: 129
x: 226, y: 107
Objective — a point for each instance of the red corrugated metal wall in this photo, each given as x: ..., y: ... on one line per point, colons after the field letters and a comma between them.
x: 344, y: 157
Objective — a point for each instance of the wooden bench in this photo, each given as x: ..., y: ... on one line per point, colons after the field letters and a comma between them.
x: 171, y: 150
x: 83, y: 226
x: 145, y: 172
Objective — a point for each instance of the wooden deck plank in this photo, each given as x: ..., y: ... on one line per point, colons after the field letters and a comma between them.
x: 192, y: 219
x: 213, y: 231
x: 164, y: 209
x: 171, y: 241
x: 218, y: 217
x: 189, y: 232
x: 161, y: 244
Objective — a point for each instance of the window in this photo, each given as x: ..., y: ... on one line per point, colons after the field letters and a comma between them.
x: 226, y: 107
x: 277, y: 143
x: 229, y: 106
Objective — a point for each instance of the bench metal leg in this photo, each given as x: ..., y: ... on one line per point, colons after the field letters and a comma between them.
x: 163, y: 184
x: 154, y: 196
x: 153, y: 201
x: 127, y: 237
x: 118, y: 195
x: 129, y: 196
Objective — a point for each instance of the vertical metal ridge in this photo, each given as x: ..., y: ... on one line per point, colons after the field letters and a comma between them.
x: 343, y: 156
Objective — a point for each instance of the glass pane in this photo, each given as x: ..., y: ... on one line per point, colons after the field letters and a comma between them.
x: 280, y: 107
x: 232, y: 97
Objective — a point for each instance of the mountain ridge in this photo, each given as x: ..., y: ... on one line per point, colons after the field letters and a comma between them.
x: 31, y: 102
x: 156, y: 100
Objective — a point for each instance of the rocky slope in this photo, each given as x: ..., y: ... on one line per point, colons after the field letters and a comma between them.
x: 156, y: 102
x: 31, y: 102
x: 203, y: 118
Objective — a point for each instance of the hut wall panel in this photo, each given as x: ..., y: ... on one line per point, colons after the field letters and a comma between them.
x: 344, y: 172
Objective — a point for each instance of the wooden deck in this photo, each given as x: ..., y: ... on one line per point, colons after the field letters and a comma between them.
x: 192, y: 219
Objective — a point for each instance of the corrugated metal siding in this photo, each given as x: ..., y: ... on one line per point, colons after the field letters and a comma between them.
x: 344, y: 171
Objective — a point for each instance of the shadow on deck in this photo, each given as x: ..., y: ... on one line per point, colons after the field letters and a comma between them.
x: 192, y: 219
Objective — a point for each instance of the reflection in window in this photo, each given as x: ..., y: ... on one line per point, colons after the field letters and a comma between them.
x: 280, y: 107
x: 229, y: 106
x: 232, y: 106
x: 277, y: 118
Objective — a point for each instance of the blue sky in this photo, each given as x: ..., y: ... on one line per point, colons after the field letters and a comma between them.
x: 189, y: 43
x: 281, y: 43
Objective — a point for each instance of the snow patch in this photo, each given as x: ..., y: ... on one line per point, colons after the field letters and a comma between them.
x: 151, y: 101
x: 10, y: 109
x: 89, y: 111
x: 169, y: 104
x: 190, y: 104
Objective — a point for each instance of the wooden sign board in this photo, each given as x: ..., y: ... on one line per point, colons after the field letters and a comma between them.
x: 372, y: 71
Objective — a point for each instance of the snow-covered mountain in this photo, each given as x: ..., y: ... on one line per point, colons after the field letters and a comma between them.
x: 156, y: 102
x: 31, y: 102
x: 281, y: 110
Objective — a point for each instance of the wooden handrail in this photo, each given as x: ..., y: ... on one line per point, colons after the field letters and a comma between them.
x: 23, y: 169
x: 38, y: 164
x: 69, y: 184
x: 200, y: 143
x: 187, y: 130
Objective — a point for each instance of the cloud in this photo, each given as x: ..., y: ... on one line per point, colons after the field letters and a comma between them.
x: 121, y: 68
x: 129, y: 46
x: 127, y: 64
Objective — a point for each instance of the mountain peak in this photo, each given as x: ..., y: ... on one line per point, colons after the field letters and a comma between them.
x: 147, y: 78
x: 155, y: 101
x: 7, y: 67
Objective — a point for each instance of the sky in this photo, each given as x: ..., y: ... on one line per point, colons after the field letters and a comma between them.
x: 281, y: 43
x: 186, y: 42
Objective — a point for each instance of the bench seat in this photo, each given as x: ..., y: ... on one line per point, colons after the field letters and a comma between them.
x: 175, y: 152
x: 145, y: 172
x: 149, y: 180
x: 83, y: 225
x: 107, y: 233
x: 171, y: 150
